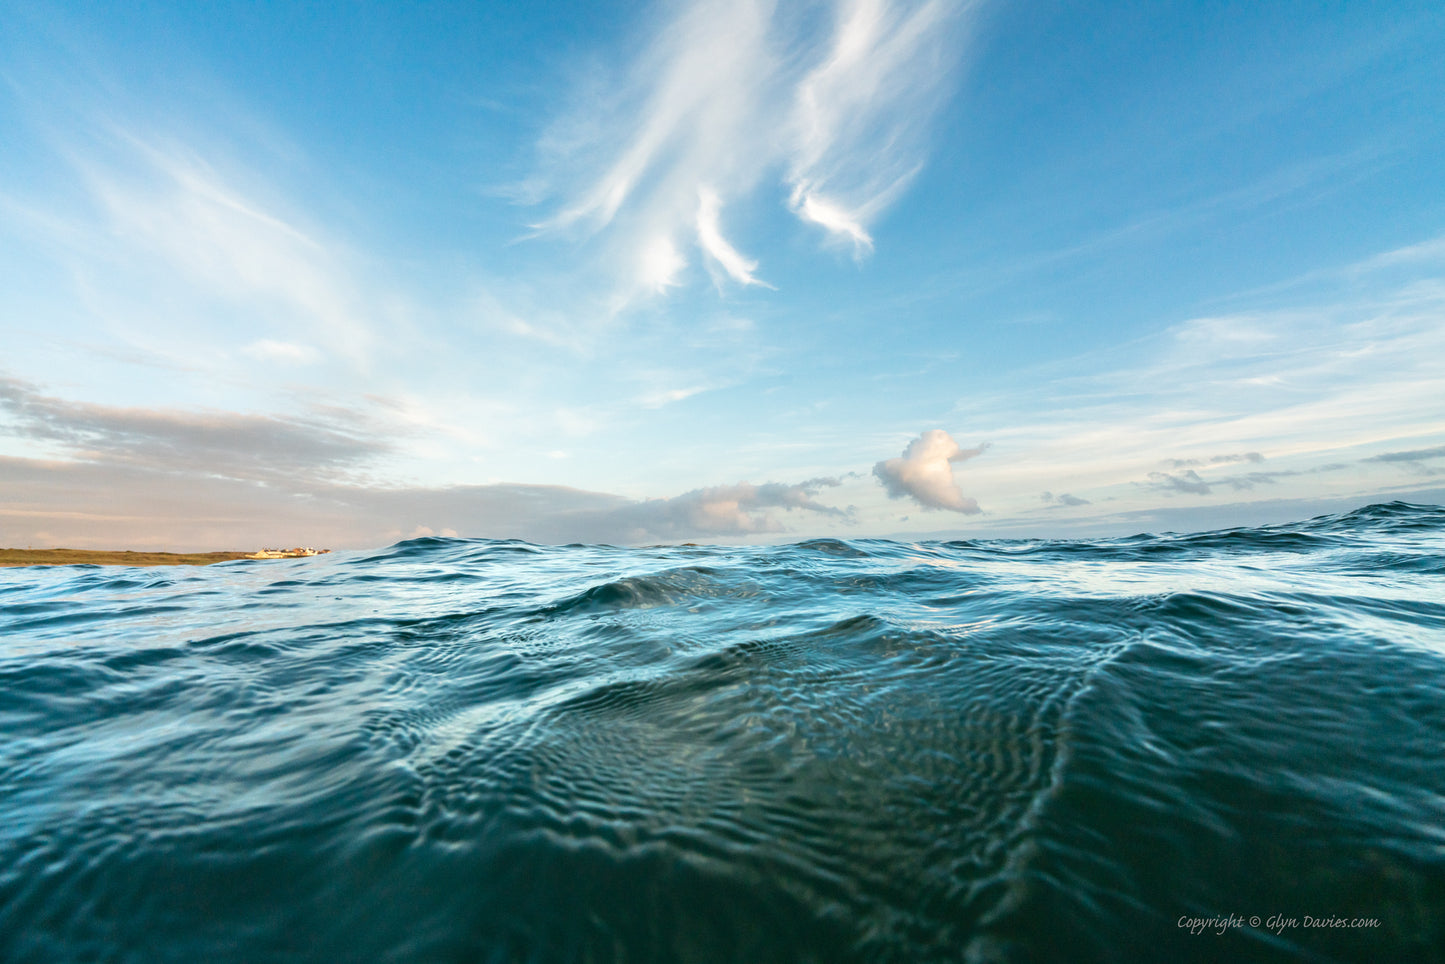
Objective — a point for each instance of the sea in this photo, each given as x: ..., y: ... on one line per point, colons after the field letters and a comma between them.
x: 1218, y: 746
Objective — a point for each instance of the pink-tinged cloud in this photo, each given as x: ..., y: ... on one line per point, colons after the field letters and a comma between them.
x: 924, y: 473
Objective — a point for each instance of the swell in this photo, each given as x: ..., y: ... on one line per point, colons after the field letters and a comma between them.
x: 835, y: 751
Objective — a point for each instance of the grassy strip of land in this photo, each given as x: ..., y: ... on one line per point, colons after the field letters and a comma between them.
x: 105, y: 557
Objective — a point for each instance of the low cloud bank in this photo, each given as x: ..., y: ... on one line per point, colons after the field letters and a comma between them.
x: 924, y: 473
x: 238, y: 446
x: 114, y: 505
x: 150, y: 478
x: 724, y: 510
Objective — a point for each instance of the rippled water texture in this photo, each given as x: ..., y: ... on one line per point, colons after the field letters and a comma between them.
x: 467, y: 750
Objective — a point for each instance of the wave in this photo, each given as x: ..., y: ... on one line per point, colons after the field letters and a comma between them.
x: 837, y: 750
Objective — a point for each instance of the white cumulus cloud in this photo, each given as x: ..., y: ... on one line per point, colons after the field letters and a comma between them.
x: 924, y: 473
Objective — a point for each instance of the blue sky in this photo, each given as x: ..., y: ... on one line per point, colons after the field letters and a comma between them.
x: 346, y: 273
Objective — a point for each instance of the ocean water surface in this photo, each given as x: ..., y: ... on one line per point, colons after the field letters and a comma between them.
x: 1218, y: 746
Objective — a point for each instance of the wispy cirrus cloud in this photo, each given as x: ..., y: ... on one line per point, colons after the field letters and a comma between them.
x: 709, y: 235
x: 180, y: 247
x: 1339, y: 384
x: 281, y: 352
x: 196, y: 221
x: 830, y: 100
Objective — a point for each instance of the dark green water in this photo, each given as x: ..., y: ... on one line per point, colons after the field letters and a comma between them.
x: 459, y: 750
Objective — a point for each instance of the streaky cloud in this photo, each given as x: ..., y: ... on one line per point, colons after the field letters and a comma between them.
x: 827, y: 215
x: 661, y: 264
x: 194, y: 222
x: 728, y: 95
x: 870, y: 90
x: 218, y: 444
x: 1229, y: 459
x: 1412, y: 455
x: 710, y: 237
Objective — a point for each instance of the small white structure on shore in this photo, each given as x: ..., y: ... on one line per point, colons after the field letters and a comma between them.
x: 288, y: 553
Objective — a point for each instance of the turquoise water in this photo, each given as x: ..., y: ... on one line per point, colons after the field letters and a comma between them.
x: 470, y: 750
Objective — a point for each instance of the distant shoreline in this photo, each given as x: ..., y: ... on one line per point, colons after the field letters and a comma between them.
x: 113, y: 557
